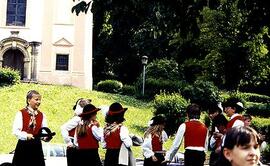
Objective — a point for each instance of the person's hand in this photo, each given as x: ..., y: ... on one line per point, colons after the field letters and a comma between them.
x: 154, y: 159
x: 30, y: 136
x: 165, y: 161
x: 70, y: 145
x: 217, y: 135
x: 96, y: 123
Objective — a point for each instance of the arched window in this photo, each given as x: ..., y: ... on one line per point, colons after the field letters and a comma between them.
x: 16, y: 11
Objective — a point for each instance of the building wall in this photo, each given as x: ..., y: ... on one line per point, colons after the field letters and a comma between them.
x: 60, y: 32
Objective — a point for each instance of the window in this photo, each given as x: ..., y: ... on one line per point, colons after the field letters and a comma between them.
x: 16, y: 11
x: 61, y: 61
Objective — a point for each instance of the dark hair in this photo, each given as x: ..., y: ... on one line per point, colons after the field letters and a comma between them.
x: 247, y: 116
x: 219, y: 120
x: 194, y: 111
x: 237, y: 136
x: 213, y: 108
x: 30, y: 94
x: 235, y: 103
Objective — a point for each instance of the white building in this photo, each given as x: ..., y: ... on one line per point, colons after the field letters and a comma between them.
x: 46, y: 42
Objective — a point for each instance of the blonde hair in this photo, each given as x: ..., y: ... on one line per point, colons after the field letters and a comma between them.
x: 154, y: 130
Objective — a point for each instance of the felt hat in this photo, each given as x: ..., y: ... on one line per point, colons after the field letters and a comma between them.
x: 234, y: 102
x: 88, y: 110
x: 45, y: 132
x: 116, y: 109
x: 157, y: 120
x: 116, y: 113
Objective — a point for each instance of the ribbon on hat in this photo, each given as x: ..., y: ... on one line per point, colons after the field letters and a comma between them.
x: 115, y: 112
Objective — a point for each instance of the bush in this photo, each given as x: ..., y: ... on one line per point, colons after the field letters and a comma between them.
x: 258, y: 109
x: 9, y: 76
x: 173, y: 106
x: 155, y: 86
x: 128, y: 90
x: 202, y: 93
x: 110, y: 86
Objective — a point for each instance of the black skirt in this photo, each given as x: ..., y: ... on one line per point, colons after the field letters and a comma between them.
x: 150, y: 162
x: 88, y: 157
x: 111, y: 157
x: 28, y: 153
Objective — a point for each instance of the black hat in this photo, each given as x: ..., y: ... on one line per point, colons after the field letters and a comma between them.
x: 88, y: 109
x: 48, y: 133
x: 234, y: 102
x: 157, y: 120
x: 116, y: 109
x: 116, y: 113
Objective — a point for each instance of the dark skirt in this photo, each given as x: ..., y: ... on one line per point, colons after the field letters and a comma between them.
x: 111, y: 157
x: 194, y: 158
x: 28, y: 153
x: 71, y: 156
x: 150, y: 162
x: 88, y: 157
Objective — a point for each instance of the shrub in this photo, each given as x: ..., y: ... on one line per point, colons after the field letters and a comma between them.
x: 155, y: 86
x: 109, y: 86
x: 202, y: 93
x: 173, y: 107
x: 9, y: 76
x: 128, y: 90
x: 258, y: 109
x: 253, y: 97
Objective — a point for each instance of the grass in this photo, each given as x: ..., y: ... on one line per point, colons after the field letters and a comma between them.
x: 57, y: 103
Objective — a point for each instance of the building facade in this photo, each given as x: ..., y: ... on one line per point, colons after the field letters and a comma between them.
x: 45, y: 42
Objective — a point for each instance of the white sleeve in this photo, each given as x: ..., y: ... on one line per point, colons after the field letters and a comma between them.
x: 147, y: 147
x: 44, y: 121
x: 238, y: 123
x: 164, y: 136
x: 97, y: 132
x: 17, y: 127
x: 206, y: 142
x: 176, y: 143
x: 124, y: 136
x: 69, y: 125
x: 212, y: 142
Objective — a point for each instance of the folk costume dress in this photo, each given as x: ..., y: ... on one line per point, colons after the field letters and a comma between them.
x: 195, y: 135
x: 28, y: 152
x: 114, y: 136
x: 235, y: 120
x: 153, y: 145
x: 88, y: 146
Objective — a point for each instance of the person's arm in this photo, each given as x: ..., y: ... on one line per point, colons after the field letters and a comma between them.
x: 124, y: 136
x: 147, y: 147
x: 206, y: 142
x: 176, y: 143
x: 97, y: 132
x: 17, y: 127
x: 69, y: 125
x: 164, y: 136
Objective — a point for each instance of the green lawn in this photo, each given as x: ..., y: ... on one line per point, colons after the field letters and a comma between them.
x: 57, y: 103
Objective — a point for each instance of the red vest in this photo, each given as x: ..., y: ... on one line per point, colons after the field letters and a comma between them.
x: 195, y: 134
x: 156, y: 143
x: 26, y: 119
x: 88, y: 141
x: 113, y: 140
x: 71, y: 132
x: 231, y: 122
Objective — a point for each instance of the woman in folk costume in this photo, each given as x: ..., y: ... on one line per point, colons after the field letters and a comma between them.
x: 27, y: 124
x: 115, y: 133
x: 154, y: 138
x: 68, y: 130
x: 233, y: 107
x: 87, y: 136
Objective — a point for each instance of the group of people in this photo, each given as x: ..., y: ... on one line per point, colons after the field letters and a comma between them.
x: 232, y: 142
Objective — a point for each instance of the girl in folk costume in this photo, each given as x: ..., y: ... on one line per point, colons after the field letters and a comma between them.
x: 68, y: 130
x: 87, y: 136
x: 232, y: 108
x: 153, y: 142
x: 27, y: 124
x: 115, y: 133
x: 195, y: 135
x: 241, y: 147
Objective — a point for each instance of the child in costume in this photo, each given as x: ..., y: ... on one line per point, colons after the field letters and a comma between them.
x: 154, y: 138
x: 115, y: 134
x: 26, y: 127
x: 68, y: 131
x: 195, y: 135
x: 87, y: 136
